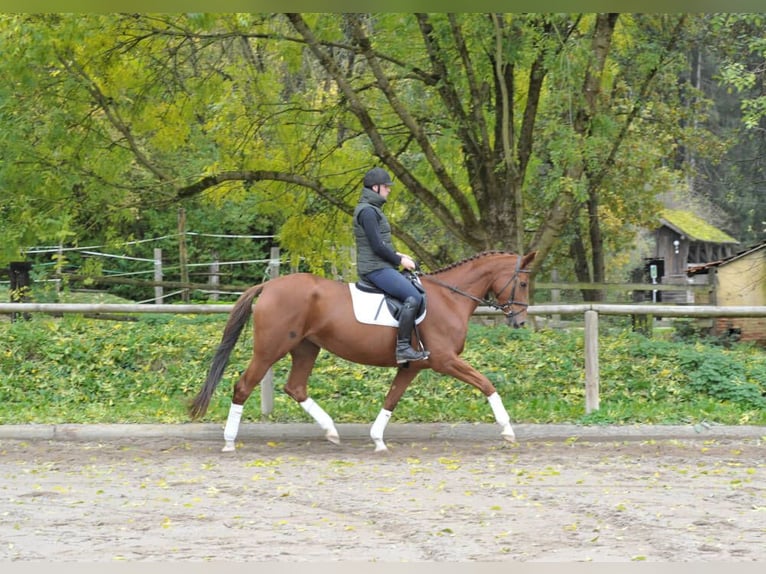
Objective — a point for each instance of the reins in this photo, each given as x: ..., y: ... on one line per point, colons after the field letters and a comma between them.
x: 488, y: 302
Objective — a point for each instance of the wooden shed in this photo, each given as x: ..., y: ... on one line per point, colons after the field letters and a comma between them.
x: 738, y: 280
x: 685, y: 240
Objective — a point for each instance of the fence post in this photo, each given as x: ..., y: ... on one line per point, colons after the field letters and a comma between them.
x: 591, y: 361
x: 59, y: 268
x: 267, y: 384
x: 182, y: 254
x: 158, y: 292
x: 555, y: 298
x: 20, y: 285
x: 214, y: 276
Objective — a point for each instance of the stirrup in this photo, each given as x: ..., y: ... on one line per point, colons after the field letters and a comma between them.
x: 410, y: 354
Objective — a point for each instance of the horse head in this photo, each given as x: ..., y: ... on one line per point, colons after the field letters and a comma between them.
x: 512, y: 293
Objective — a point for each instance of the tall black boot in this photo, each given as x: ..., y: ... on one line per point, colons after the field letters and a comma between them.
x: 404, y: 351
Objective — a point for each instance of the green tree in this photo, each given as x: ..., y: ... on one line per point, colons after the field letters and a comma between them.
x: 513, y: 131
x: 732, y: 70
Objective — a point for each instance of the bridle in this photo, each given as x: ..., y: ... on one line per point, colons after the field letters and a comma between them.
x: 507, y: 307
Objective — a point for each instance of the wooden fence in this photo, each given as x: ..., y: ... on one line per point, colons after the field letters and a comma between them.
x: 590, y: 311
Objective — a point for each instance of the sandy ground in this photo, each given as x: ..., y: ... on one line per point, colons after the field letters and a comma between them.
x: 435, y: 500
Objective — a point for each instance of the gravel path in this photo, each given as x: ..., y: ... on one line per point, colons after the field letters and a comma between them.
x: 298, y: 499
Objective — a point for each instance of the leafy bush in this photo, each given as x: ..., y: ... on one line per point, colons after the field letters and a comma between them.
x: 724, y: 377
x: 73, y: 369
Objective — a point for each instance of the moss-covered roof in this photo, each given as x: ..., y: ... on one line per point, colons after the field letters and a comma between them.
x: 695, y: 228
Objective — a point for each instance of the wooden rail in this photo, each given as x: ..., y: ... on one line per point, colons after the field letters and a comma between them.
x: 572, y: 309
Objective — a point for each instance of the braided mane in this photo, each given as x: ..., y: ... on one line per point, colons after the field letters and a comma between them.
x: 471, y: 258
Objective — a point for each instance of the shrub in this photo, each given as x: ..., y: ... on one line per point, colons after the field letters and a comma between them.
x: 74, y: 369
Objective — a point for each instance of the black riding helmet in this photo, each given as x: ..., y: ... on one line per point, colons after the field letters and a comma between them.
x: 377, y: 176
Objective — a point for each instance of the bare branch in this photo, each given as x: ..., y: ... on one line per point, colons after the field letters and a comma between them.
x: 414, y: 128
x: 359, y: 109
x: 638, y: 105
x: 481, y: 169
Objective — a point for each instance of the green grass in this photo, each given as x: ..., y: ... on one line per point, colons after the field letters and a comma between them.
x: 79, y: 370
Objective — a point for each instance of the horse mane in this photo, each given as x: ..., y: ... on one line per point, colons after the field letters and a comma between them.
x: 467, y: 259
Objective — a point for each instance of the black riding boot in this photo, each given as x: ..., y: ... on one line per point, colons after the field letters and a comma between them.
x: 404, y: 351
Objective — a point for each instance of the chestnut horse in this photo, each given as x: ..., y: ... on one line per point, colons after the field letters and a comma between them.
x: 302, y: 313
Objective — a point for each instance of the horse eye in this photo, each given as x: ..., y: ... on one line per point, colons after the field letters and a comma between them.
x: 523, y: 283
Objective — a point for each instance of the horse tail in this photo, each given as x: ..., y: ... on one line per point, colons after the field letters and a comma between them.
x: 237, y: 320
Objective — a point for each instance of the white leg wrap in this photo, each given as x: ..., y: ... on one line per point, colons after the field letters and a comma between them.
x: 232, y: 423
x: 232, y: 427
x: 378, y: 428
x: 501, y: 416
x: 317, y: 412
x: 322, y: 418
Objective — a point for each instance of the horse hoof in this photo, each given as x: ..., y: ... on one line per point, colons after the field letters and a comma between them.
x: 380, y: 447
x: 333, y: 437
x: 508, y: 434
x: 229, y: 446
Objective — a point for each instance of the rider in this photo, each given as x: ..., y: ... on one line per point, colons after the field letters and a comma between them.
x: 378, y: 263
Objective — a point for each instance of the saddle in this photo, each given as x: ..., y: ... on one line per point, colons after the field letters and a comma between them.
x: 375, y: 307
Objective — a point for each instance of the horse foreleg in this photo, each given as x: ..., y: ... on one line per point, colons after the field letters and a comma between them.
x: 502, y: 417
x: 378, y: 428
x: 462, y: 371
x: 400, y: 383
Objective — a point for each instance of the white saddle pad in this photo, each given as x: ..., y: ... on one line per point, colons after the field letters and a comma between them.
x: 371, y: 308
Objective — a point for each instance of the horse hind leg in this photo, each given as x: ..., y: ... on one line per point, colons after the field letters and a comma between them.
x: 322, y: 418
x: 303, y: 359
x: 251, y: 378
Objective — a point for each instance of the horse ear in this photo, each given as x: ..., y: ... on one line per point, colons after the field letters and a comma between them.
x: 527, y: 259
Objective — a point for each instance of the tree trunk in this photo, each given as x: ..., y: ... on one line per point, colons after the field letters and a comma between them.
x: 602, y: 41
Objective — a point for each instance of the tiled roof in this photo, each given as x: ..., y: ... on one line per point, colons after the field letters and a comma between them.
x: 706, y: 266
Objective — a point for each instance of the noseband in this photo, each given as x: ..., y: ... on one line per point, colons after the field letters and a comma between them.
x: 504, y: 308
x: 510, y: 315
